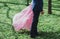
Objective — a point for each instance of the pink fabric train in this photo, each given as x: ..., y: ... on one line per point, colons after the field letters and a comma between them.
x: 23, y: 20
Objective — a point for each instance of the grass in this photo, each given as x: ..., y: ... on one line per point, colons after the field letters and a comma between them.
x: 48, y: 25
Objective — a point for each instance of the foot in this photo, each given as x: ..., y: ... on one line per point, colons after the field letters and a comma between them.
x: 34, y: 35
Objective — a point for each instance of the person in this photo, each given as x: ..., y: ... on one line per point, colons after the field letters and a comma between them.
x: 37, y: 7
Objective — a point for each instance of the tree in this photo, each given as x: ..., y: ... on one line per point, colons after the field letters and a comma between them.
x: 49, y: 6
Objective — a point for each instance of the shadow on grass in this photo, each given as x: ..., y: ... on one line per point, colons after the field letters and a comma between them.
x: 45, y: 35
x: 10, y: 27
x: 42, y: 34
x: 49, y: 35
x: 5, y: 23
x: 56, y: 15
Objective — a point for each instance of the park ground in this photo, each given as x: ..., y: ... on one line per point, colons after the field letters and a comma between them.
x: 48, y: 25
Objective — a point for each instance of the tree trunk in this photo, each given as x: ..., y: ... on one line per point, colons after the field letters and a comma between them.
x: 49, y: 6
x: 27, y: 2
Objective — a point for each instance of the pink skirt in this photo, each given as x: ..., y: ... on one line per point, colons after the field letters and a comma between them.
x: 23, y: 19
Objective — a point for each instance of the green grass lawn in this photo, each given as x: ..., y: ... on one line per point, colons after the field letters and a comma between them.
x: 48, y: 26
